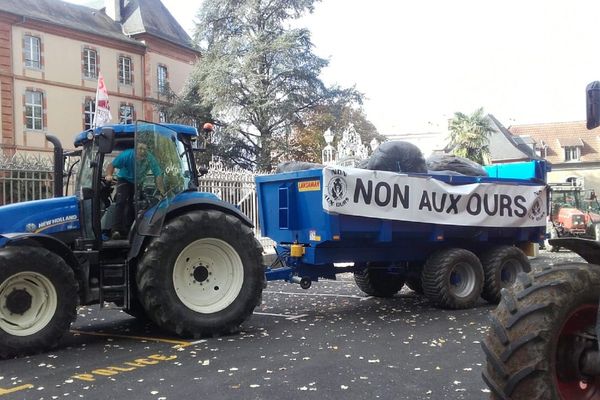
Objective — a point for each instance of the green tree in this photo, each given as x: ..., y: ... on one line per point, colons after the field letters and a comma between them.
x: 469, y: 135
x: 259, y: 76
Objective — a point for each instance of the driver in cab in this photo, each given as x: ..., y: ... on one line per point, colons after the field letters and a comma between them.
x: 126, y: 176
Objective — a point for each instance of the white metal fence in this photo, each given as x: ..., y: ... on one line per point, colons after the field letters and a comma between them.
x: 236, y: 187
x: 25, y: 177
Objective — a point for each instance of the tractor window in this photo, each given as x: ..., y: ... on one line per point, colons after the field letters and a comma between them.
x: 84, y: 178
x: 185, y: 164
x: 159, y: 174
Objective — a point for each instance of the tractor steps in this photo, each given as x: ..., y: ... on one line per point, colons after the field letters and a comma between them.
x: 114, y: 283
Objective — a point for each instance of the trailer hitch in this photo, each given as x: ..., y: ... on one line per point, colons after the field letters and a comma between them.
x: 304, y: 282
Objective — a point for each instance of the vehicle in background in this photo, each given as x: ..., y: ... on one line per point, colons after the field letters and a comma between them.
x: 574, y: 212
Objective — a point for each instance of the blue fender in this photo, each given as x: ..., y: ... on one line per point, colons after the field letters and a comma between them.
x: 189, y: 201
x: 40, y: 240
x: 200, y: 201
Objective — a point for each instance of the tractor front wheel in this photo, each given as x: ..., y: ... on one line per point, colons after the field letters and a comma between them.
x: 38, y: 300
x: 540, y: 333
x: 202, y: 275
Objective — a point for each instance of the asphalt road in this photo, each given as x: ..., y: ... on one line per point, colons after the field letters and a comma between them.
x: 329, y: 342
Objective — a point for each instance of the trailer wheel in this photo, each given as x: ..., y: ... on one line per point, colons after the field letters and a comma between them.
x: 375, y: 280
x: 453, y: 278
x: 501, y: 265
x: 38, y: 300
x: 202, y: 275
x: 540, y: 332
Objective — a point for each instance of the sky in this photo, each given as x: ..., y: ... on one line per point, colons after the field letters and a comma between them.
x: 420, y: 61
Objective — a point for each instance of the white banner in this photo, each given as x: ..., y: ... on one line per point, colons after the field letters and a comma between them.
x: 394, y: 196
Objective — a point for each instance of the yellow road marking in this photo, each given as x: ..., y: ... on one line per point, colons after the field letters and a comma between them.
x: 15, y: 389
x: 179, y: 343
x: 129, y: 366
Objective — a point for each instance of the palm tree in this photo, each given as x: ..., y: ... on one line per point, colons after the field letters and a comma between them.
x: 469, y: 136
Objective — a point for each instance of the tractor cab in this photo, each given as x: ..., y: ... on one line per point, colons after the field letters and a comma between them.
x: 162, y: 165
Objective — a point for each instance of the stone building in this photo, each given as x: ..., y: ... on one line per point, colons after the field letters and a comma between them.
x: 51, y: 53
x: 573, y: 150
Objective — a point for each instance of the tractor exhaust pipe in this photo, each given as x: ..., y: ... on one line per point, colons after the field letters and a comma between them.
x: 59, y: 163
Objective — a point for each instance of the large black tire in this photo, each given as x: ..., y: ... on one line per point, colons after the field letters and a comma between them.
x: 501, y: 265
x: 202, y: 276
x: 38, y: 300
x: 529, y: 346
x: 376, y: 281
x: 453, y: 278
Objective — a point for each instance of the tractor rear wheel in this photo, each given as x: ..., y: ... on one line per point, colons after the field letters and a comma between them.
x: 202, y: 276
x: 453, y: 278
x: 501, y: 265
x: 38, y: 300
x: 375, y: 280
x: 540, y: 331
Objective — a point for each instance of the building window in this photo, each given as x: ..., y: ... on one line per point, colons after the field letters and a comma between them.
x: 32, y: 49
x: 125, y: 70
x: 541, y: 152
x: 89, y: 111
x: 90, y: 63
x: 34, y: 110
x: 163, y: 84
x: 162, y: 117
x: 574, y: 181
x: 572, y: 153
x: 126, y: 114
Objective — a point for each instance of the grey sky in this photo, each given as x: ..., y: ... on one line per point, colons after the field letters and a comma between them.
x: 525, y: 61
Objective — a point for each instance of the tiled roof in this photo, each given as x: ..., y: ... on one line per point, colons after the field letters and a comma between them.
x: 138, y: 16
x: 80, y: 18
x: 570, y: 142
x: 559, y: 134
x: 152, y: 17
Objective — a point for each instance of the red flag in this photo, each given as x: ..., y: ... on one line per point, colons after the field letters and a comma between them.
x: 102, y: 114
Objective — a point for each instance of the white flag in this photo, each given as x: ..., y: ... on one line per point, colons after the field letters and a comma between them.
x: 102, y: 115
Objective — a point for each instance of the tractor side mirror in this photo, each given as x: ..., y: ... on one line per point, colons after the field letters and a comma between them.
x: 593, y: 105
x: 204, y: 137
x: 200, y: 143
x: 106, y: 140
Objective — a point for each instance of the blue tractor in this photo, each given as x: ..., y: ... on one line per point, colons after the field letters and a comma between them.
x: 190, y: 262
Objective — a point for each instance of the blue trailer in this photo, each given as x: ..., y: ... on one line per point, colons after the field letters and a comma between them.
x: 451, y: 237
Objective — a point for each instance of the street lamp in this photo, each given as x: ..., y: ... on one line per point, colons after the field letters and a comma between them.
x: 374, y: 144
x: 328, y: 153
x: 328, y: 136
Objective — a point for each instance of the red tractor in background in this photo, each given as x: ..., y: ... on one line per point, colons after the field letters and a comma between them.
x: 574, y: 212
x: 543, y: 338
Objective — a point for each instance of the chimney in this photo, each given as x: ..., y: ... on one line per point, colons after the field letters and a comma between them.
x: 113, y: 9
